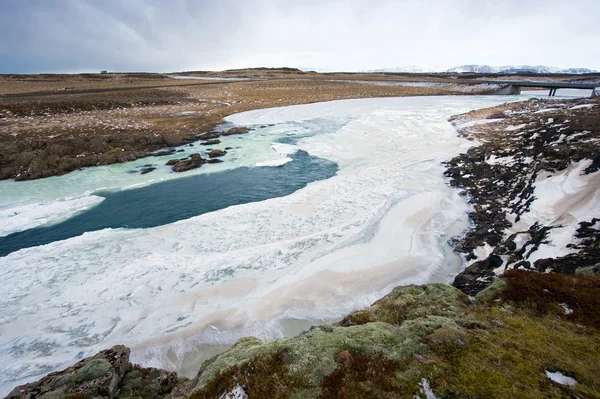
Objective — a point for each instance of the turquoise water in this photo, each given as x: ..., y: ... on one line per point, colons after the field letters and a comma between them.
x: 173, y: 200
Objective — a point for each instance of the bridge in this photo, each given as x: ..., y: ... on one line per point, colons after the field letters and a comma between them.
x: 514, y: 87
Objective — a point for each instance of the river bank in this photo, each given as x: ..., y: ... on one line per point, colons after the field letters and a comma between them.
x: 56, y: 124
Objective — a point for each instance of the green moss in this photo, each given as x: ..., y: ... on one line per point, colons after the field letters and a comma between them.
x: 410, y: 302
x: 509, y: 362
x: 492, y: 292
x: 58, y: 394
x: 94, y: 369
x: 495, y: 350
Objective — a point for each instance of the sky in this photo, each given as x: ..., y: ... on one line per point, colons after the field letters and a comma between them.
x: 327, y: 35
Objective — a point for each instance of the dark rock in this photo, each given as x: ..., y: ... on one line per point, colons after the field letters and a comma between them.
x: 108, y: 374
x: 143, y: 171
x: 211, y: 142
x: 208, y: 136
x: 216, y: 153
x: 193, y: 162
x: 228, y: 148
x: 97, y: 376
x: 215, y: 160
x: 478, y: 276
x: 171, y: 162
x: 182, y: 150
x: 263, y: 126
x: 162, y: 153
x: 235, y: 130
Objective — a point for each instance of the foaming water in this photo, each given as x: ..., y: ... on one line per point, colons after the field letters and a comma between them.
x: 260, y: 268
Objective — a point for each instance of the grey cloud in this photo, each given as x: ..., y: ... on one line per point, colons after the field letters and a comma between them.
x: 155, y: 35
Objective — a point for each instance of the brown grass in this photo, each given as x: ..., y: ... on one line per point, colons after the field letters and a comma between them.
x: 545, y: 292
x: 362, y: 376
x: 264, y: 376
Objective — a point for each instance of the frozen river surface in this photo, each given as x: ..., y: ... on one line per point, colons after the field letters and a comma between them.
x: 262, y: 267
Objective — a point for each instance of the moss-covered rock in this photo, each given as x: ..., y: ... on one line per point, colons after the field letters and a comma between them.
x: 410, y: 302
x: 492, y: 292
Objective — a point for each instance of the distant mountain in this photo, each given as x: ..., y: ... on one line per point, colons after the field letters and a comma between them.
x: 542, y: 69
x: 406, y: 69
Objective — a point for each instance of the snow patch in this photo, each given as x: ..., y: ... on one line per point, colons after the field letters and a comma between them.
x: 560, y: 378
x: 275, y: 162
x: 236, y: 393
x: 426, y: 390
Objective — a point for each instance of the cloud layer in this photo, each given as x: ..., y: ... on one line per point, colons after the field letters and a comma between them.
x: 156, y: 35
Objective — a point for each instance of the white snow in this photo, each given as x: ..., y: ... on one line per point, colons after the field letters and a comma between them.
x: 236, y: 393
x: 560, y: 378
x: 275, y: 163
x: 426, y: 390
x: 512, y: 128
x: 566, y: 308
x: 544, y: 110
x: 562, y: 200
x: 582, y: 106
x: 206, y: 78
x: 478, y: 122
x: 23, y: 217
x: 495, y: 160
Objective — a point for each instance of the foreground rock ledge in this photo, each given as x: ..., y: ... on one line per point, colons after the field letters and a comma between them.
x: 417, y: 340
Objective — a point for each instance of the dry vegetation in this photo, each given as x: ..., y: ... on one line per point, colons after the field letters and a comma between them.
x: 59, y: 123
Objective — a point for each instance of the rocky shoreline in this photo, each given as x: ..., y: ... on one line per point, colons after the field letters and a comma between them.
x: 503, y: 330
x: 522, y: 146
x: 55, y: 124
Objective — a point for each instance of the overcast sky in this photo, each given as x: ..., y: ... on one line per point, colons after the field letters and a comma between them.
x: 351, y: 35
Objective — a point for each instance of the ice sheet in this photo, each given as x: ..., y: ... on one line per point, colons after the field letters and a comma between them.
x: 252, y: 269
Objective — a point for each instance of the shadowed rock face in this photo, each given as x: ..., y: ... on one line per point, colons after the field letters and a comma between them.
x: 109, y: 374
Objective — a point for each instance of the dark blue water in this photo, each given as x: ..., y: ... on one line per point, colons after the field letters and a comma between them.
x: 178, y: 199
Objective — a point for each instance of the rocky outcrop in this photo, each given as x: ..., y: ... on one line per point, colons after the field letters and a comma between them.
x: 192, y: 162
x: 235, y: 130
x: 417, y: 341
x: 216, y: 153
x: 526, y: 142
x: 109, y: 374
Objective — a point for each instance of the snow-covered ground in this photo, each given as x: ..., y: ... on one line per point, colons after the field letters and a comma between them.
x: 265, y: 269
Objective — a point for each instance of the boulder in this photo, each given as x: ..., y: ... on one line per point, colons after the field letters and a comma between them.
x: 171, y: 162
x: 211, y: 142
x: 194, y: 161
x: 235, y: 130
x: 447, y: 335
x: 215, y: 160
x: 108, y: 374
x: 216, y: 153
x: 96, y: 376
x: 208, y: 136
x: 162, y: 153
x: 148, y: 169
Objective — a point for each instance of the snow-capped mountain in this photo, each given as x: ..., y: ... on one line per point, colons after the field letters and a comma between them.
x: 542, y: 69
x: 516, y: 69
x: 407, y: 69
